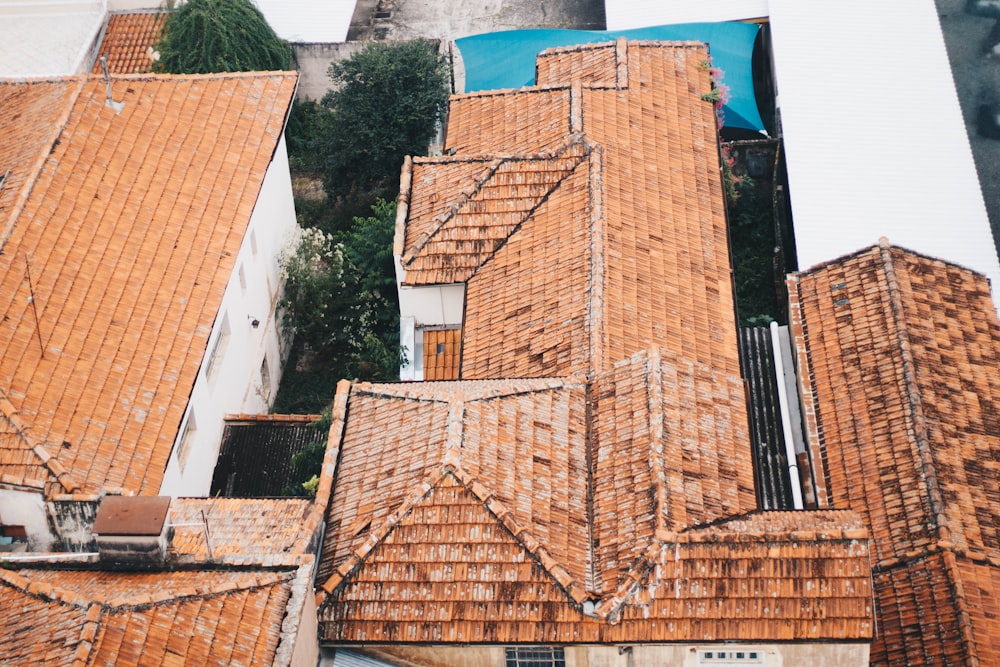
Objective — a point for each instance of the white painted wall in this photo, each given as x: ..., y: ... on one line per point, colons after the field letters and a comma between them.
x: 628, y: 14
x: 678, y: 655
x: 419, y: 307
x: 234, y: 382
x: 27, y: 508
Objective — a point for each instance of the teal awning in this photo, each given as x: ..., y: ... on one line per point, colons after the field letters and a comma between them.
x: 507, y: 59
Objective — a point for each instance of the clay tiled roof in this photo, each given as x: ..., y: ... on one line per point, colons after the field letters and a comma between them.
x: 670, y: 452
x: 902, y: 353
x: 463, y: 505
x: 82, y: 617
x: 242, y: 526
x: 33, y: 116
x: 128, y: 42
x: 114, y: 268
x: 518, y: 444
x: 618, y: 245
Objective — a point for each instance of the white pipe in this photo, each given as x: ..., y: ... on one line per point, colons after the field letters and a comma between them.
x: 786, y: 420
x: 46, y: 556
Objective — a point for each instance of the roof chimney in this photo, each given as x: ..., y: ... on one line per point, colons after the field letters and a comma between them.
x: 133, y: 530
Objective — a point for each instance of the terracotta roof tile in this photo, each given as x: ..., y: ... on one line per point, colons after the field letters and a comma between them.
x: 519, y: 443
x: 241, y: 526
x: 610, y: 508
x: 671, y: 451
x: 442, y: 353
x: 468, y: 233
x: 125, y: 273
x: 180, y: 617
x: 902, y: 353
x: 128, y: 42
x: 570, y: 298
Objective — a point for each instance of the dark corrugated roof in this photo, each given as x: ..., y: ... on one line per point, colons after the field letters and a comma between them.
x: 255, y: 457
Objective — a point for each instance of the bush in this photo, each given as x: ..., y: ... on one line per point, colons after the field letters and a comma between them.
x: 387, y: 101
x: 206, y: 36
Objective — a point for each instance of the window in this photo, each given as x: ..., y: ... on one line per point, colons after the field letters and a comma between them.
x: 218, y: 352
x: 731, y: 657
x: 243, y: 279
x: 187, y: 439
x: 253, y: 242
x: 535, y: 656
x: 265, y: 379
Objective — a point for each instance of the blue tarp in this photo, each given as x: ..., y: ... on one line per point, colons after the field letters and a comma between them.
x: 507, y: 59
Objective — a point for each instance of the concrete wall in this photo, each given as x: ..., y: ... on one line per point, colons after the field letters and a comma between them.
x: 26, y: 508
x: 313, y: 61
x: 677, y: 655
x: 230, y: 379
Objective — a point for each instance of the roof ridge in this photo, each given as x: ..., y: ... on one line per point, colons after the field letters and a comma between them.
x: 88, y: 634
x: 496, y: 162
x: 377, y: 534
x: 913, y: 397
x: 55, y: 468
x: 42, y: 589
x: 529, y: 214
x: 47, y: 147
x: 159, y: 76
x: 575, y: 589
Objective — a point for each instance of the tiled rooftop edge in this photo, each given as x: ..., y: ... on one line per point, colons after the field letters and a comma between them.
x: 883, y: 243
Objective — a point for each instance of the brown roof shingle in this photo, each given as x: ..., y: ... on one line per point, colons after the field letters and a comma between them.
x: 902, y: 353
x: 114, y: 269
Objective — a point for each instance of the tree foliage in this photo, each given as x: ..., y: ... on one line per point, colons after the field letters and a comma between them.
x: 386, y: 103
x: 340, y: 296
x: 220, y: 36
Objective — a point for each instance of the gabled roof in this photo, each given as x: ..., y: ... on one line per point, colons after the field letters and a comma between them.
x: 117, y: 247
x: 618, y: 245
x: 609, y: 497
x: 519, y: 445
x: 470, y: 507
x: 90, y: 617
x: 128, y: 42
x: 901, y: 353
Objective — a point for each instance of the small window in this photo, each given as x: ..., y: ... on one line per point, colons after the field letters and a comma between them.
x: 731, y: 657
x: 440, y: 348
x: 218, y: 352
x: 243, y: 279
x: 535, y: 656
x: 187, y: 439
x: 253, y: 242
x: 265, y: 379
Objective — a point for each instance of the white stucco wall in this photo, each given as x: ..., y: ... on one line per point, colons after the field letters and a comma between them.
x: 419, y: 307
x: 825, y: 654
x: 233, y: 381
x: 27, y: 508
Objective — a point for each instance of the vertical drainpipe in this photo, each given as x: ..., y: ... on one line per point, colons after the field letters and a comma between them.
x: 786, y: 420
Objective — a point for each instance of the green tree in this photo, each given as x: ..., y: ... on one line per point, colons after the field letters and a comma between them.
x: 386, y: 104
x: 220, y: 36
x: 341, y: 302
